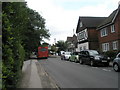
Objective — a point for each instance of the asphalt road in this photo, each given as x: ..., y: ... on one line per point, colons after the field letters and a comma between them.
x: 73, y: 75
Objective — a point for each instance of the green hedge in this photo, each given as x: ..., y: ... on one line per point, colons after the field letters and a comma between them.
x: 20, y: 37
x: 111, y: 54
x: 12, y: 67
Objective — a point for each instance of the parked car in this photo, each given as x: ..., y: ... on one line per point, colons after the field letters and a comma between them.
x: 62, y: 53
x: 74, y: 57
x: 116, y: 63
x: 66, y: 56
x: 93, y: 58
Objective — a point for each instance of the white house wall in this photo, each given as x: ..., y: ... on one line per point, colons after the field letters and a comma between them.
x: 82, y: 46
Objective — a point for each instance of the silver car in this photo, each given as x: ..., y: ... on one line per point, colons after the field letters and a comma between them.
x: 66, y: 56
x: 116, y: 63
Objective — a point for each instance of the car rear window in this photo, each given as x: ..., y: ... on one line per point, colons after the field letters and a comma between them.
x: 67, y: 53
x: 43, y: 49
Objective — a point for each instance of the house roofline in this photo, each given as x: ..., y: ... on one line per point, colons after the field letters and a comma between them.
x: 116, y: 15
x: 103, y: 26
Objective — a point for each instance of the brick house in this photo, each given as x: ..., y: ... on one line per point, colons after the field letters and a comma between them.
x: 109, y: 32
x: 87, y: 35
x: 72, y: 43
x: 69, y: 41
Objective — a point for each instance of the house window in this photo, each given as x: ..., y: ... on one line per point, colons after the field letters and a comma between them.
x: 115, y: 45
x: 104, y: 32
x: 81, y: 24
x: 112, y: 28
x: 80, y: 48
x: 82, y: 35
x: 105, y: 47
x: 78, y: 36
x: 84, y: 47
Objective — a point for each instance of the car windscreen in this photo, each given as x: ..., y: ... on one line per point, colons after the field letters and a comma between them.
x: 93, y: 52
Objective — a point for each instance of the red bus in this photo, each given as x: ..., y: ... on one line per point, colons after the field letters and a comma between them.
x: 42, y: 52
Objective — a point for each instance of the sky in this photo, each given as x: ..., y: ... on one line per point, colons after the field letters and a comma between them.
x: 61, y: 16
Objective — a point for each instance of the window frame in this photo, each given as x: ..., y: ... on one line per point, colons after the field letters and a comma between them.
x: 82, y: 35
x: 81, y: 24
x: 104, y: 32
x: 112, y: 27
x: 115, y: 45
x: 105, y: 47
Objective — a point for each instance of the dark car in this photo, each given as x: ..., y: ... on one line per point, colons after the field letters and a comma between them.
x: 116, y: 63
x: 93, y: 58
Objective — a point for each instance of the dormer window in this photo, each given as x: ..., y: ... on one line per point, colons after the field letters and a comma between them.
x: 81, y: 24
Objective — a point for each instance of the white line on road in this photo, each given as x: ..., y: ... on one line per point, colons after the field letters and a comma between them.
x: 103, y: 69
x: 106, y: 70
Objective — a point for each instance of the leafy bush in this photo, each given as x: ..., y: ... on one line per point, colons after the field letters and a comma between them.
x: 111, y: 54
x: 7, y: 67
x: 22, y: 29
x: 12, y: 64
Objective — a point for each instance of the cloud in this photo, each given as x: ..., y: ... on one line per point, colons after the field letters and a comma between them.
x: 61, y: 20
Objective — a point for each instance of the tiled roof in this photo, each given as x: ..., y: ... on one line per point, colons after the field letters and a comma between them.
x: 74, y: 39
x: 69, y: 39
x: 109, y: 19
x: 89, y: 22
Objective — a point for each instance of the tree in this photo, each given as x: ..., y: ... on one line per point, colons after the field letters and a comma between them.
x: 22, y: 30
x: 53, y: 48
x: 35, y: 31
x: 62, y: 45
x: 13, y: 51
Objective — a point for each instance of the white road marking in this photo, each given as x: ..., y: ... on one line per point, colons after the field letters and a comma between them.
x: 106, y: 70
x: 103, y: 69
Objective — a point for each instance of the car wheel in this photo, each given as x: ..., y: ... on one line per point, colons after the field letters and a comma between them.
x: 69, y: 59
x: 91, y: 63
x: 63, y: 58
x: 75, y: 60
x: 81, y: 61
x: 116, y: 67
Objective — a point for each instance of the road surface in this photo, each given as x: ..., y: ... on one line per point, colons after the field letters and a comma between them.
x: 73, y: 75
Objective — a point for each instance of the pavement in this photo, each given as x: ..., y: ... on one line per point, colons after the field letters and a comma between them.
x: 34, y: 76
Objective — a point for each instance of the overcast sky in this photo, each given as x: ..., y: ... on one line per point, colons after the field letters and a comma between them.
x: 62, y: 15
